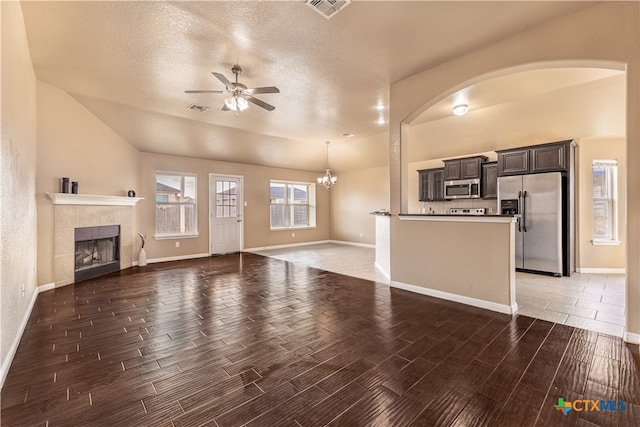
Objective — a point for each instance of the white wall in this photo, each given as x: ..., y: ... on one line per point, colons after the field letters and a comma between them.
x: 18, y: 222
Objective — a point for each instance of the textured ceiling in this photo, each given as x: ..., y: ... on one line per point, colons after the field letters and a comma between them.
x: 129, y: 62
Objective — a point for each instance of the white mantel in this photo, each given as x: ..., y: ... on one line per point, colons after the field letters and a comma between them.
x: 92, y: 200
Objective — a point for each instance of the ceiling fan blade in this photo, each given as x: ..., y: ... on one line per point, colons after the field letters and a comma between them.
x: 259, y: 102
x: 224, y: 80
x: 225, y: 108
x: 205, y: 91
x: 269, y: 89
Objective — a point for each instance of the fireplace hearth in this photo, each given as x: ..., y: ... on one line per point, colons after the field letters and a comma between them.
x: 97, y: 251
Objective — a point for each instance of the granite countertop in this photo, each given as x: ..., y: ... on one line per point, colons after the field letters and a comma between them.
x: 452, y: 215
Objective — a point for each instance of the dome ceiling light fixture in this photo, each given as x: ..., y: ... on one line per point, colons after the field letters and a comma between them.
x: 327, y: 180
x: 460, y: 109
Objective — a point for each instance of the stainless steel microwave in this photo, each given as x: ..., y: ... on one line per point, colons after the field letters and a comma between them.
x: 462, y: 189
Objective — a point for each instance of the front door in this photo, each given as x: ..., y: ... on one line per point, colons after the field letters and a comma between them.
x: 225, y: 213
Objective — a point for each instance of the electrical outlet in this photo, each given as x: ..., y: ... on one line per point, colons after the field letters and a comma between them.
x: 361, y: 234
x: 293, y: 234
x: 22, y: 290
x: 177, y: 244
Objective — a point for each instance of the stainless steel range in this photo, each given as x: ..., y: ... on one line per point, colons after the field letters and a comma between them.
x: 467, y: 211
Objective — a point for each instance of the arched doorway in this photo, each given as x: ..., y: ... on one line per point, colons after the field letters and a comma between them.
x: 529, y: 105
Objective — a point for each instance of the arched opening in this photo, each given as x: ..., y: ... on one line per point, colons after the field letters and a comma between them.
x: 524, y: 106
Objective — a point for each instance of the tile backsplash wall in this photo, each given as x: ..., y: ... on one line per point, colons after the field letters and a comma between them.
x: 491, y: 206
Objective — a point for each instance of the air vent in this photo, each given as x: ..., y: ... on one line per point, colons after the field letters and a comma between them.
x: 201, y: 108
x: 327, y: 8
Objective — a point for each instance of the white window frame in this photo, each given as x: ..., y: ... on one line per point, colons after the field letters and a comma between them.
x: 611, y: 199
x: 194, y: 203
x: 311, y: 204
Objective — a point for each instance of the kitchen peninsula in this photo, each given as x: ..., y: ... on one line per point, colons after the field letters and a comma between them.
x: 464, y: 258
x: 471, y: 257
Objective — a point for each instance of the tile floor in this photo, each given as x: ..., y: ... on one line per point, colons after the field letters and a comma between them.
x: 588, y: 301
x: 351, y: 260
x: 253, y: 341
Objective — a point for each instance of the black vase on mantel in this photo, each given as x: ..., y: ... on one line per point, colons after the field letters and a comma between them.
x: 74, y: 187
x: 65, y: 186
x: 131, y: 193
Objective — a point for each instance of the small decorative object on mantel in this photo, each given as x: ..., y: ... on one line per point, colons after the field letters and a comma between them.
x: 65, y: 186
x: 142, y: 255
x: 131, y: 193
x: 74, y: 187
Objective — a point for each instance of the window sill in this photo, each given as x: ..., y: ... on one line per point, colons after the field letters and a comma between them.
x: 175, y: 236
x: 293, y: 228
x: 606, y: 242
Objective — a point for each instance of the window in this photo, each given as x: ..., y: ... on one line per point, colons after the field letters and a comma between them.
x: 175, y: 205
x: 292, y: 205
x: 605, y: 186
x: 226, y: 199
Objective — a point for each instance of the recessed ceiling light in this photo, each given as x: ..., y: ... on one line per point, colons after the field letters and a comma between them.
x: 379, y: 107
x: 461, y: 109
x: 348, y: 135
x: 381, y: 121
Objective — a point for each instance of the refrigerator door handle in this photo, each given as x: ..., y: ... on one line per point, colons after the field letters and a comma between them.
x: 524, y: 211
x: 519, y: 216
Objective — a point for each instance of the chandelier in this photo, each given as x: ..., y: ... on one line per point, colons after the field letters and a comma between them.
x: 327, y: 180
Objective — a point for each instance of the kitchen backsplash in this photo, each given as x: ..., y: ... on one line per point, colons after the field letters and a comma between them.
x: 443, y: 207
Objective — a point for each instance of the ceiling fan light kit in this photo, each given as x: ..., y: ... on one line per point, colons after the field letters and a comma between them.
x: 239, y: 95
x: 236, y: 103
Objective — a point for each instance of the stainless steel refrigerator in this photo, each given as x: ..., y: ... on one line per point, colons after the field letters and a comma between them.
x: 538, y: 201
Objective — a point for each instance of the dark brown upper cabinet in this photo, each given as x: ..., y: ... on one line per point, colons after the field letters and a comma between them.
x: 431, y: 185
x: 489, y: 180
x: 552, y: 157
x: 465, y: 168
x: 549, y: 158
x: 513, y: 162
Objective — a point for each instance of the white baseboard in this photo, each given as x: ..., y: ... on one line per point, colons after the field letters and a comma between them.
x: 316, y: 242
x: 488, y: 305
x: 177, y: 258
x: 290, y: 245
x: 631, y: 338
x: 6, y: 364
x: 47, y: 287
x: 362, y: 245
x: 383, y: 271
x: 601, y: 270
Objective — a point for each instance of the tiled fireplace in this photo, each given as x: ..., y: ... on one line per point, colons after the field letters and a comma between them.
x: 97, y: 251
x: 75, y: 211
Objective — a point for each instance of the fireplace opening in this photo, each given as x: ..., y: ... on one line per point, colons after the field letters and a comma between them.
x: 97, y: 251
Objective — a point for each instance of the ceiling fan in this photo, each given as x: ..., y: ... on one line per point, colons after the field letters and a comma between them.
x: 239, y: 94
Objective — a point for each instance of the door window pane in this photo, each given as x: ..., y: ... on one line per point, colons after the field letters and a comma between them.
x: 226, y: 199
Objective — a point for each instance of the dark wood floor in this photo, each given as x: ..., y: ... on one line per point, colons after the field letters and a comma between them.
x: 248, y: 340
